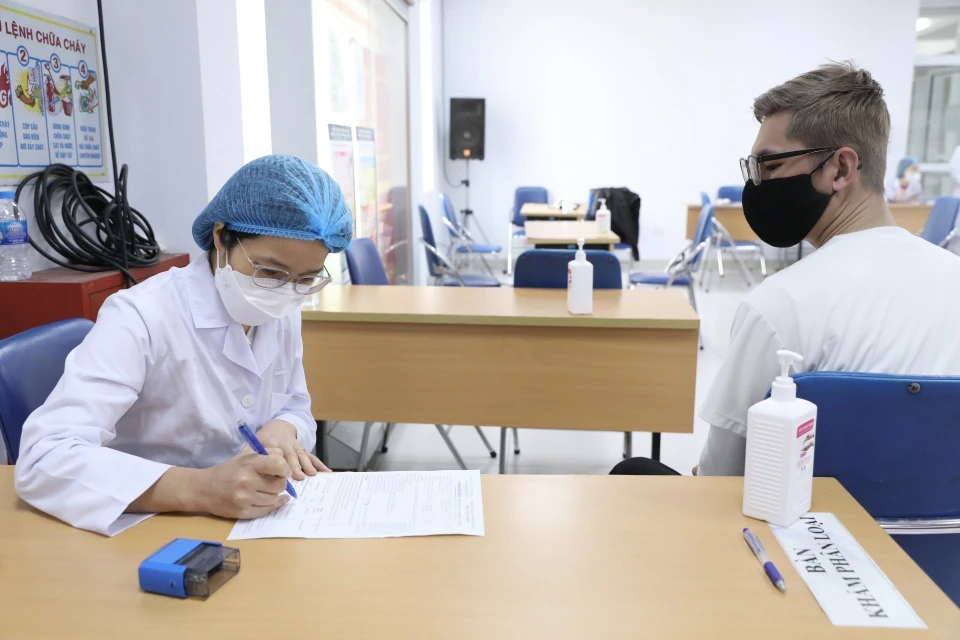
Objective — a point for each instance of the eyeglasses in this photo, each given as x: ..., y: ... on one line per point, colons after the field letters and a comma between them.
x: 750, y: 166
x: 274, y: 278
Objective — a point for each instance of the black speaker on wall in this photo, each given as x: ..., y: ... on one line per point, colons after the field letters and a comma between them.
x: 467, y: 117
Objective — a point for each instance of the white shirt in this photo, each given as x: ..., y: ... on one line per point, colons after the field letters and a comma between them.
x: 875, y: 301
x: 161, y: 380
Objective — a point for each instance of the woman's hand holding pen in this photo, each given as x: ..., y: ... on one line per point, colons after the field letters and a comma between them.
x: 246, y: 486
x: 282, y: 435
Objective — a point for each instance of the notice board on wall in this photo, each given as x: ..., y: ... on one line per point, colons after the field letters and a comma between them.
x: 51, y: 110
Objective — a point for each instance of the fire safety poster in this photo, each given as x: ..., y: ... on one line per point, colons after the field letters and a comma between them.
x: 51, y: 109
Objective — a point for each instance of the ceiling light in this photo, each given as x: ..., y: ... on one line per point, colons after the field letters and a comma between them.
x: 923, y: 24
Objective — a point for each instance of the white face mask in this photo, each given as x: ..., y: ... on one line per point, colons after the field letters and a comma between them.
x: 914, y: 178
x: 249, y: 304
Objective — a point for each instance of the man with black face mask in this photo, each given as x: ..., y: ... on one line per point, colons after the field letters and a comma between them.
x: 873, y: 298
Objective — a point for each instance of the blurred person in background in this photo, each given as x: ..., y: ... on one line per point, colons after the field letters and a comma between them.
x: 906, y: 187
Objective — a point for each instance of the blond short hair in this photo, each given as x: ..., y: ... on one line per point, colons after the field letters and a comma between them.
x: 836, y: 105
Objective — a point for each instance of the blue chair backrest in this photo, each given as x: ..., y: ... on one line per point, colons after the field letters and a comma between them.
x: 364, y: 263
x: 31, y: 364
x: 940, y: 220
x: 591, y: 200
x: 703, y: 229
x: 433, y: 264
x: 890, y: 440
x: 523, y: 195
x: 704, y: 198
x: 547, y: 269
x: 733, y: 193
x: 449, y: 213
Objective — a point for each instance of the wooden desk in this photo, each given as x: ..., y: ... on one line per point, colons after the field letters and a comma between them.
x: 563, y: 557
x: 567, y: 232
x: 502, y: 357
x: 535, y: 210
x: 911, y: 217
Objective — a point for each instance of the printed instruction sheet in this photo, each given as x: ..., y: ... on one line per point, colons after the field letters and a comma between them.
x: 375, y: 505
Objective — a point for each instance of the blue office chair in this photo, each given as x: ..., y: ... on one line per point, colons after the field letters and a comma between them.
x: 892, y: 442
x: 733, y: 193
x: 31, y: 364
x: 521, y: 196
x: 939, y: 227
x: 366, y: 268
x: 364, y: 263
x: 462, y: 243
x: 441, y: 269
x: 704, y: 198
x: 547, y: 269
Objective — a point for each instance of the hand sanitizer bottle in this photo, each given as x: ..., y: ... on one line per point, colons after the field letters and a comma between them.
x: 603, y: 216
x: 781, y: 432
x: 566, y: 204
x: 580, y: 283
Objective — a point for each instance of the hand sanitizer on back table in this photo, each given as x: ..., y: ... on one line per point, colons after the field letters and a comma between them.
x: 781, y: 432
x: 603, y: 217
x: 580, y: 283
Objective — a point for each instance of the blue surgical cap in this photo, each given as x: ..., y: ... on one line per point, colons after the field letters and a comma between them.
x: 905, y: 164
x: 279, y: 195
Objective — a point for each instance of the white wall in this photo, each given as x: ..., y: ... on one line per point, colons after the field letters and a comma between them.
x: 654, y: 96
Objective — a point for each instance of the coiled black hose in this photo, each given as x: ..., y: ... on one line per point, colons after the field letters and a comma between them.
x: 98, y: 231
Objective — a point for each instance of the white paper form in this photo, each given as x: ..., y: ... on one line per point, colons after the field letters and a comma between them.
x: 850, y: 588
x: 375, y: 505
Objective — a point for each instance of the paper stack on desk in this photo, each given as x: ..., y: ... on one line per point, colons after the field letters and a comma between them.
x: 375, y: 505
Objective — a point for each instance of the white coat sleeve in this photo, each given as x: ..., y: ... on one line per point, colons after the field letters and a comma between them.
x: 743, y: 380
x: 66, y: 467
x: 296, y: 410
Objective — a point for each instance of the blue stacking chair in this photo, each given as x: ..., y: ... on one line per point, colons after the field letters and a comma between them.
x: 892, y: 442
x: 547, y: 269
x: 704, y: 198
x: 462, y: 243
x: 441, y: 269
x: 679, y: 272
x: 366, y: 269
x: 364, y: 263
x: 939, y: 227
x: 521, y: 196
x: 31, y: 364
x: 733, y: 193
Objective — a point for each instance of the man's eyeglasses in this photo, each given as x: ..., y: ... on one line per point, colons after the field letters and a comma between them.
x: 750, y: 166
x: 274, y: 278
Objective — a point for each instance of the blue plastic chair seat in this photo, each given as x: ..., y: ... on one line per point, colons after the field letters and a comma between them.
x: 520, y: 233
x: 472, y: 280
x: 479, y: 248
x: 658, y: 278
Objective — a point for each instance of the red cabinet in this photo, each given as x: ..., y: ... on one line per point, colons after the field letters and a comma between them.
x: 58, y: 294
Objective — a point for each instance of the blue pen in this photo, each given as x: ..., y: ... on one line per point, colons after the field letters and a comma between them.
x: 761, y: 554
x: 256, y: 446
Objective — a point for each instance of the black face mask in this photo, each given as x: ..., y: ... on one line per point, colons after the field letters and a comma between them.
x: 783, y: 211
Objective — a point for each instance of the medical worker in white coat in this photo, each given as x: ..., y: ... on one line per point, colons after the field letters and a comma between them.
x: 145, y: 416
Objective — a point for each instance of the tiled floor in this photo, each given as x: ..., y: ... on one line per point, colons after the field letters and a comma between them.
x: 579, y: 452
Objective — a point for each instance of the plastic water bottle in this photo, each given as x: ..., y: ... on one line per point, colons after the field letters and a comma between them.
x: 14, y: 248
